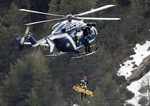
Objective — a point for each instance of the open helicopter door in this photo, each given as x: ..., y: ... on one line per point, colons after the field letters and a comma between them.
x: 50, y: 44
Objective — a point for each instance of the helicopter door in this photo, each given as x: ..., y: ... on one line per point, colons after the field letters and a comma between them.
x: 77, y: 37
x: 79, y: 34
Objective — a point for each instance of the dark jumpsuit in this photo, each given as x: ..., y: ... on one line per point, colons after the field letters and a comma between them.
x: 86, y: 43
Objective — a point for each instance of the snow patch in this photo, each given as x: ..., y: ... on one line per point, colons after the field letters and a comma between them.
x: 135, y: 87
x: 141, y: 52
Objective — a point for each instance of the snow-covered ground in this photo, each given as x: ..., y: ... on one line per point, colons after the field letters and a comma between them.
x: 135, y: 87
x: 141, y: 52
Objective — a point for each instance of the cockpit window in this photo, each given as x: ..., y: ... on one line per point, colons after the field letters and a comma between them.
x: 61, y: 26
x: 55, y: 26
x: 91, y: 31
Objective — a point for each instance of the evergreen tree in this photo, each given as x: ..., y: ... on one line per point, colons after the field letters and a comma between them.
x: 35, y: 81
x: 29, y: 82
x: 137, y: 18
x: 12, y: 22
x: 2, y: 98
x: 32, y: 100
x: 98, y: 99
x: 78, y: 6
x: 111, y: 91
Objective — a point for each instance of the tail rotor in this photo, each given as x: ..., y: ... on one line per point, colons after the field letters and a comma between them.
x: 21, y: 40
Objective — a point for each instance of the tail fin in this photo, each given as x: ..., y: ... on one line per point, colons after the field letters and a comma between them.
x: 18, y: 39
x: 21, y: 40
x: 31, y: 39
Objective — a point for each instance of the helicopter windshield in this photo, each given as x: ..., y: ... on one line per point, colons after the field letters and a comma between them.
x: 62, y: 25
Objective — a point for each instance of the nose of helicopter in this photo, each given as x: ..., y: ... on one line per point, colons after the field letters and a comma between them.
x: 63, y: 44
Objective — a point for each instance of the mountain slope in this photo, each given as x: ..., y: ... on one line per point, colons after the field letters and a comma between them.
x: 137, y: 73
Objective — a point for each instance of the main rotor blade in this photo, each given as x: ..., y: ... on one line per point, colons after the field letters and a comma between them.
x: 95, y: 18
x: 38, y: 22
x: 95, y: 10
x: 37, y: 12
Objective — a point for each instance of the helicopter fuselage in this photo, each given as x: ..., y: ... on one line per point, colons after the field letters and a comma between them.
x: 73, y: 36
x: 68, y: 35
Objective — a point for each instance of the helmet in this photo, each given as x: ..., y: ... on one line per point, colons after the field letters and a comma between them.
x: 82, y: 80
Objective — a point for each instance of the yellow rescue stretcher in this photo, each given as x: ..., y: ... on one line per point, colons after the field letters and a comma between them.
x: 81, y: 90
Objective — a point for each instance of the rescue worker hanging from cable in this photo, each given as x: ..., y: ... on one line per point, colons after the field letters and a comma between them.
x: 83, y: 89
x: 86, y: 33
x: 83, y: 85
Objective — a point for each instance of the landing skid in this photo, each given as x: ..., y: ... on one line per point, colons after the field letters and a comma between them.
x: 79, y: 56
x: 57, y: 54
x: 84, y: 54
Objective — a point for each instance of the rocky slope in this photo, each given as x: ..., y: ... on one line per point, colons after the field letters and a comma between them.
x: 136, y: 71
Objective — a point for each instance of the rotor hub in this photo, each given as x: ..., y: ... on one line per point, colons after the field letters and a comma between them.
x: 70, y: 17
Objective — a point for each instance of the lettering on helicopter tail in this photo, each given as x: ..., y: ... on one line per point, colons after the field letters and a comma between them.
x: 50, y: 44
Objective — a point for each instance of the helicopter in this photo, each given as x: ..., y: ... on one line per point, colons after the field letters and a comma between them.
x: 68, y: 35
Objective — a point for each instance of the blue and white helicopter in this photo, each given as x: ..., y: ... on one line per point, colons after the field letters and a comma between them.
x: 68, y: 35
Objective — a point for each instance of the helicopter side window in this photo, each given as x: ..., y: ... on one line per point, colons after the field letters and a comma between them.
x: 59, y: 28
x: 79, y: 34
x: 91, y: 31
x: 54, y: 27
x: 85, y: 31
x: 63, y: 30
